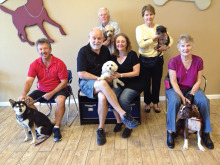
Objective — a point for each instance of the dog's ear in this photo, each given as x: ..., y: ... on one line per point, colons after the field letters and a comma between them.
x: 27, y: 100
x: 104, y: 67
x: 113, y: 29
x: 104, y: 33
x: 12, y: 102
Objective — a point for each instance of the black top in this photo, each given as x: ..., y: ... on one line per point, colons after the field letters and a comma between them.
x: 134, y: 83
x: 90, y: 61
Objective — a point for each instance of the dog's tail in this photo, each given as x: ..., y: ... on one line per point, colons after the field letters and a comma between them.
x: 6, y: 10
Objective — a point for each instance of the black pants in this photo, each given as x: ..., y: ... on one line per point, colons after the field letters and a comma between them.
x: 152, y: 77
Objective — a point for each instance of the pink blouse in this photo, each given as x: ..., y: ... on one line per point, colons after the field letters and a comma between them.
x: 186, y: 78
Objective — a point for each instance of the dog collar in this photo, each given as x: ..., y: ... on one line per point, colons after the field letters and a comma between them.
x: 195, y: 119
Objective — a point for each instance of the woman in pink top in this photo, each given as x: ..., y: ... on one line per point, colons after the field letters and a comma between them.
x: 185, y: 71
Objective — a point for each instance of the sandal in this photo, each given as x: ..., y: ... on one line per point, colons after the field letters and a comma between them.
x: 157, y: 110
x: 146, y: 109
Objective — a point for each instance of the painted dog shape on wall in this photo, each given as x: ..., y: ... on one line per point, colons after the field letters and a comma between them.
x: 32, y: 13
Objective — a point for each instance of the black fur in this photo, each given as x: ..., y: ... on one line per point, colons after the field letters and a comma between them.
x: 35, y: 119
x: 160, y: 30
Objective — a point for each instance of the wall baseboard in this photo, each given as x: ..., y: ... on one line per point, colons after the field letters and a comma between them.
x: 162, y: 98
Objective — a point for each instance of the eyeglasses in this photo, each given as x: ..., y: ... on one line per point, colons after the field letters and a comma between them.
x: 103, y: 15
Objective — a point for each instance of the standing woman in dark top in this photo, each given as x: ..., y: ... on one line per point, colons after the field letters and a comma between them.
x: 128, y: 72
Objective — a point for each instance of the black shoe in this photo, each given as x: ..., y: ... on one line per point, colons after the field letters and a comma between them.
x: 101, y: 139
x: 170, y: 140
x: 118, y: 127
x: 126, y: 133
x: 147, y: 110
x: 129, y: 121
x: 56, y: 134
x: 207, y: 140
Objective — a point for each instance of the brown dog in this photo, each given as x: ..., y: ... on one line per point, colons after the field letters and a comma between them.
x: 189, y: 122
x: 108, y: 32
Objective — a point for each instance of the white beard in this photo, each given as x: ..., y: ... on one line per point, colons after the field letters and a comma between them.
x: 95, y: 47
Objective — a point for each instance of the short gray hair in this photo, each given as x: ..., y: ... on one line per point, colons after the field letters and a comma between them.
x: 103, y: 8
x: 42, y: 41
x: 186, y: 38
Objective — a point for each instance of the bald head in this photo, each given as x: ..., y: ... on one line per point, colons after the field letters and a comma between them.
x: 95, y: 38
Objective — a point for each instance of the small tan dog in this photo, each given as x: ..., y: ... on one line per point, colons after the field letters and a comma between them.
x: 107, y: 69
x: 108, y: 32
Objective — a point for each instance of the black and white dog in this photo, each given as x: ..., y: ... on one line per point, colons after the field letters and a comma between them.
x: 31, y: 119
x: 189, y: 122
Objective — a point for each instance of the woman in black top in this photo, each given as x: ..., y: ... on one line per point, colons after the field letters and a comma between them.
x: 128, y: 72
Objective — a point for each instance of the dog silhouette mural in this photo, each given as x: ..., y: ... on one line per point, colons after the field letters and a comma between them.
x: 30, y: 14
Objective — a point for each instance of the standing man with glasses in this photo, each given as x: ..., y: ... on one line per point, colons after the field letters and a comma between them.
x: 104, y: 19
x: 52, y: 78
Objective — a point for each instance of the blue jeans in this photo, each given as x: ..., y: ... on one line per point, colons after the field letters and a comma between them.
x: 174, y: 103
x: 125, y: 97
x: 87, y: 87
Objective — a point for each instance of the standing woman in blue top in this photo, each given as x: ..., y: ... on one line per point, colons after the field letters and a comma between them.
x: 147, y: 41
x: 128, y: 72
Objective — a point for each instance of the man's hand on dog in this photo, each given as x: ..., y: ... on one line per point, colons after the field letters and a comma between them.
x: 22, y: 98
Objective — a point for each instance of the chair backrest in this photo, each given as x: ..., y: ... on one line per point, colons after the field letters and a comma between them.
x: 69, y: 81
x: 69, y: 76
x: 205, y: 83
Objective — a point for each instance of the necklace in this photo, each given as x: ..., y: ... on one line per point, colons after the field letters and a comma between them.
x: 33, y: 15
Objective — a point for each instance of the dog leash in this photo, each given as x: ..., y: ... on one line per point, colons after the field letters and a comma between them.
x: 34, y: 100
x: 41, y: 141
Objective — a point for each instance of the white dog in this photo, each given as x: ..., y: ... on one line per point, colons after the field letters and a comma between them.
x: 108, y: 68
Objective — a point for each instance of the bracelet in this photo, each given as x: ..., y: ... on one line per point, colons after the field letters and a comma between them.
x: 121, y: 75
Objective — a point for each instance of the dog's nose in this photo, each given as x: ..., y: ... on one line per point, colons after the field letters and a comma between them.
x: 20, y: 110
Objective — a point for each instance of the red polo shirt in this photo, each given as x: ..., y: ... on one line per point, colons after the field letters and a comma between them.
x: 48, y: 77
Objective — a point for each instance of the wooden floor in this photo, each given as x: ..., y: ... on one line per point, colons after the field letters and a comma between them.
x: 147, y: 144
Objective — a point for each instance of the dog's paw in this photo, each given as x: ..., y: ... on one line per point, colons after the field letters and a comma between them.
x: 115, y: 85
x: 25, y: 139
x: 100, y: 78
x: 185, y: 147
x: 201, y: 148
x: 33, y: 141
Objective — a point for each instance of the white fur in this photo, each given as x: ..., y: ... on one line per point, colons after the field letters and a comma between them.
x: 185, y: 145
x: 109, y: 68
x: 193, y: 126
x: 201, y: 148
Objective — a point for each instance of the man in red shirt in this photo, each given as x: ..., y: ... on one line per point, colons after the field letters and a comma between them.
x: 52, y: 78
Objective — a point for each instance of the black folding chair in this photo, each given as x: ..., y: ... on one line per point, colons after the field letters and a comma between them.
x: 75, y: 111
